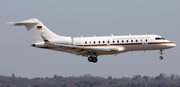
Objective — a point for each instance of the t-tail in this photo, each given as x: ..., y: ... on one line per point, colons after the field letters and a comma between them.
x: 42, y: 35
x: 37, y: 29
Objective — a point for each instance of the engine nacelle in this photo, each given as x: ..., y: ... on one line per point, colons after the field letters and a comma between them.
x: 62, y: 40
x: 40, y: 44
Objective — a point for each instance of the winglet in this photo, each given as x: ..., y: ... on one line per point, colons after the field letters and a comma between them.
x: 45, y: 39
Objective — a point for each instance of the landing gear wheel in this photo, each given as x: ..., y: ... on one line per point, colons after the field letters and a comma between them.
x: 94, y: 60
x: 161, y: 57
x: 90, y: 59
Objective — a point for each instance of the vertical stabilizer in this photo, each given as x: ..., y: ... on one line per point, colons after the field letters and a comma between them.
x: 36, y: 29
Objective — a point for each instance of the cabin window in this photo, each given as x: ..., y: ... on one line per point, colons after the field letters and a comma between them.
x: 99, y: 41
x: 117, y: 41
x: 90, y: 42
x: 113, y: 41
x: 122, y: 41
x: 107, y: 41
x: 127, y: 41
x: 103, y: 41
x: 146, y: 40
x: 131, y: 40
x: 85, y: 42
x: 94, y: 42
x: 136, y: 40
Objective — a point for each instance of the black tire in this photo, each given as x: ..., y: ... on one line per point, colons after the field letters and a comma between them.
x: 95, y: 59
x: 90, y: 59
x: 161, y: 57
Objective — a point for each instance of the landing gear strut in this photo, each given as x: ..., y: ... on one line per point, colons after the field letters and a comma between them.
x: 160, y: 52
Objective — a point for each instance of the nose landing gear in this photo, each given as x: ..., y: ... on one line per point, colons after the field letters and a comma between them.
x: 161, y: 57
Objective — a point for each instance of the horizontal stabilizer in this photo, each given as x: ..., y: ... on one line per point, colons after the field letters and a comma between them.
x: 21, y: 23
x: 9, y: 22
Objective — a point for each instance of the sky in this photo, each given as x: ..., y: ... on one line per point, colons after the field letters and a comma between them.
x: 87, y: 18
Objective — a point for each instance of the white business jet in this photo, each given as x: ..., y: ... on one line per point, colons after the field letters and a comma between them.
x: 92, y: 47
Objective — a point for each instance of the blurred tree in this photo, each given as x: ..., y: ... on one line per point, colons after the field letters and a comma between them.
x: 147, y: 78
x: 161, y: 76
x: 55, y: 76
x: 87, y: 75
x: 109, y: 77
x: 13, y: 75
x: 137, y: 77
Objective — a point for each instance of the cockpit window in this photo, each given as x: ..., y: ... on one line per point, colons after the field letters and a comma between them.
x: 159, y: 38
x: 163, y: 38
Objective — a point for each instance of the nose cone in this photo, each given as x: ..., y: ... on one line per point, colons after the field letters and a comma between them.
x: 171, y: 45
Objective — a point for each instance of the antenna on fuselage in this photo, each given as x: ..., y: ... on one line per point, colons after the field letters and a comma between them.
x: 112, y: 34
x: 129, y: 34
x: 94, y: 35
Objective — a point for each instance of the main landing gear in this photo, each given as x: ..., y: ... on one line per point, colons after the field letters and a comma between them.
x: 92, y: 57
x: 160, y: 52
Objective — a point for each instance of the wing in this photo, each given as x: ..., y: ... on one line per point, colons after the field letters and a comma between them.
x: 84, y: 50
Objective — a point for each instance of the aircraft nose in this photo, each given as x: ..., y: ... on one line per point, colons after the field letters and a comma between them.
x: 171, y: 45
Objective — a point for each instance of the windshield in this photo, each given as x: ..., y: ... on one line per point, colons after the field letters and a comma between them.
x: 160, y: 38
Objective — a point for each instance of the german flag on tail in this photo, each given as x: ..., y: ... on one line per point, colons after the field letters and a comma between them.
x: 39, y: 27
